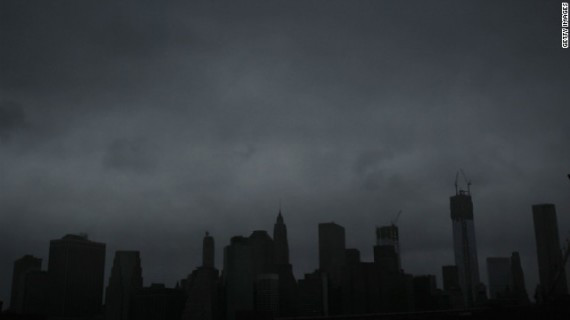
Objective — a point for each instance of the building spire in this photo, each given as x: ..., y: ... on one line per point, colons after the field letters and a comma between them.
x: 280, y: 240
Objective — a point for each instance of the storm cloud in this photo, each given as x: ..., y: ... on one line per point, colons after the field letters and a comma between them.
x: 144, y: 124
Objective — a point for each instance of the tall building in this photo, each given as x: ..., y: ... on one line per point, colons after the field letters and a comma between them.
x: 126, y: 279
x: 238, y: 277
x: 36, y: 293
x: 22, y: 267
x: 267, y: 295
x: 451, y: 287
x: 208, y: 252
x: 281, y: 244
x: 288, y: 294
x: 332, y: 251
x: 262, y: 247
x: 500, y: 277
x: 518, y: 284
x: 158, y: 302
x: 388, y: 236
x: 203, y: 300
x: 551, y: 271
x: 76, y: 268
x: 465, y: 246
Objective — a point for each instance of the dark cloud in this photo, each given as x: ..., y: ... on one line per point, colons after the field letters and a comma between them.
x: 146, y: 124
x: 12, y: 119
x: 134, y: 155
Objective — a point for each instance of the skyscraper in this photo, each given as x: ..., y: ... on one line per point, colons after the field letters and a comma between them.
x: 551, y: 271
x: 332, y: 250
x: 465, y: 246
x: 388, y: 236
x: 76, y: 268
x: 208, y: 251
x: 332, y: 260
x: 287, y: 284
x: 203, y: 299
x: 126, y: 279
x: 238, y: 276
x: 22, y: 267
x: 500, y: 277
x: 281, y: 244
x: 519, y: 288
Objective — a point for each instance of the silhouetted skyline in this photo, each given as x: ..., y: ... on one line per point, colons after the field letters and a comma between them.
x: 147, y: 124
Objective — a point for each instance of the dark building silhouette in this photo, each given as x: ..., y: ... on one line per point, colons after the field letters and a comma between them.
x: 551, y: 271
x: 126, y: 279
x: 425, y: 293
x: 386, y: 259
x: 332, y: 248
x: 267, y: 295
x: 451, y: 287
x: 281, y: 243
x: 313, y: 294
x: 450, y: 277
x: 288, y: 295
x: 158, y: 303
x: 500, y: 277
x: 262, y: 252
x: 360, y: 287
x: 238, y: 277
x: 203, y: 302
x: 208, y: 251
x: 22, y: 267
x: 388, y: 236
x: 519, y: 292
x: 332, y: 259
x: 76, y: 268
x: 465, y: 248
x: 36, y: 293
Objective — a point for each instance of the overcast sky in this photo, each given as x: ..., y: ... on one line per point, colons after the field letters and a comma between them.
x: 145, y: 124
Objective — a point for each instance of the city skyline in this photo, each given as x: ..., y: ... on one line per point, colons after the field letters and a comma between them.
x: 208, y: 248
x: 146, y: 124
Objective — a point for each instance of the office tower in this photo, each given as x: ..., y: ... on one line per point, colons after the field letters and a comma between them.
x: 465, y: 246
x: 332, y: 253
x: 360, y: 286
x: 386, y: 259
x: 208, y: 251
x: 425, y: 291
x: 313, y: 294
x: 518, y: 284
x: 352, y: 256
x: 126, y: 279
x: 267, y: 295
x: 287, y: 284
x: 388, y: 236
x: 76, y: 268
x: 551, y: 271
x: 22, y: 267
x: 36, y: 293
x: 450, y: 278
x: 203, y: 300
x: 280, y: 241
x: 158, y: 302
x: 262, y: 252
x: 500, y: 277
x: 332, y: 260
x: 238, y: 276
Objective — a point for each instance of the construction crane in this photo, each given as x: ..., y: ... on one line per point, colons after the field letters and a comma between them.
x: 467, y: 181
x: 395, y: 220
